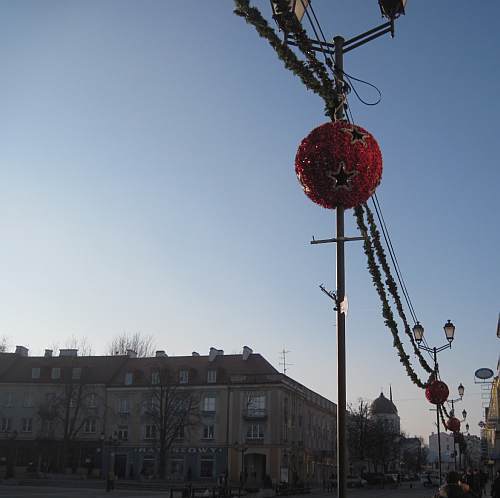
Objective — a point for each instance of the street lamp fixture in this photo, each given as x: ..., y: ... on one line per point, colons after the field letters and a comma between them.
x: 392, y: 9
x: 461, y: 390
x: 464, y: 414
x: 418, y: 332
x: 449, y: 330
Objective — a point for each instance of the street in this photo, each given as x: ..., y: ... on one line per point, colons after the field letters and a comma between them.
x: 48, y: 492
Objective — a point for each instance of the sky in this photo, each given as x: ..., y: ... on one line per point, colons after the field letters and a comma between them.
x: 147, y: 185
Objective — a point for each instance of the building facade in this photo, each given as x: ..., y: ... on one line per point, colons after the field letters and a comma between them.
x: 242, y: 420
x: 490, y: 433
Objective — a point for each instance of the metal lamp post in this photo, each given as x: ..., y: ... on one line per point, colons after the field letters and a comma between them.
x: 391, y: 10
x: 461, y: 391
x: 449, y: 332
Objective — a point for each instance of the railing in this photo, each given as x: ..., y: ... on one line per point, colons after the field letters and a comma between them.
x: 255, y: 413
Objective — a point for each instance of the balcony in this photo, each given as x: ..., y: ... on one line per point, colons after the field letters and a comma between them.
x: 255, y: 414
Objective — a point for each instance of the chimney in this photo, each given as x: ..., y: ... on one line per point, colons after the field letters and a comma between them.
x: 161, y: 354
x: 246, y: 352
x: 48, y: 353
x: 68, y: 353
x: 22, y: 351
x: 131, y: 353
x: 194, y: 353
x: 214, y: 353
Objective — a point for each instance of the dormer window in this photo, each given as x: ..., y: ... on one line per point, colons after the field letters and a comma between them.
x: 183, y: 376
x: 129, y: 378
x: 155, y: 377
x: 212, y: 376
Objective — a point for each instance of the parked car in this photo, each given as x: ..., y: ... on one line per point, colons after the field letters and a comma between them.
x: 355, y: 482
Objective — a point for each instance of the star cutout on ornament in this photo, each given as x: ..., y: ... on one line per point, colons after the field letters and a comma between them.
x: 356, y: 135
x: 341, y: 177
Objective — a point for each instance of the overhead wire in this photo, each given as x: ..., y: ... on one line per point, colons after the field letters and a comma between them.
x: 349, y: 116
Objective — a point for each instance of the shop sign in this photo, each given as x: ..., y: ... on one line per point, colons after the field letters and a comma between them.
x: 202, y: 450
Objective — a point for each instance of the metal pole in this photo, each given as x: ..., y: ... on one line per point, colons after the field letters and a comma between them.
x: 341, y: 378
x: 437, y: 417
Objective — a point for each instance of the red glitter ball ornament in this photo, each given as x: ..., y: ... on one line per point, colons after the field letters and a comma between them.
x: 339, y: 164
x: 437, y: 392
x: 453, y: 424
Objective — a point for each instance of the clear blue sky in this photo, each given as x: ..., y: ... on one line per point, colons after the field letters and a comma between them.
x: 147, y: 184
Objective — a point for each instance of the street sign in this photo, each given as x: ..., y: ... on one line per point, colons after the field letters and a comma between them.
x: 483, y: 373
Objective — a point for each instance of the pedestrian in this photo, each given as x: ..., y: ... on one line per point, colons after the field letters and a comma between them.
x: 495, y: 486
x: 453, y: 488
x: 110, y: 481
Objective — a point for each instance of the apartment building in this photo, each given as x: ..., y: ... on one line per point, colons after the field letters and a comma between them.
x: 241, y: 418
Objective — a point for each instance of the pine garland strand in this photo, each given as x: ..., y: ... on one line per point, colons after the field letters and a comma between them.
x: 392, y: 287
x: 386, y: 309
x: 323, y: 88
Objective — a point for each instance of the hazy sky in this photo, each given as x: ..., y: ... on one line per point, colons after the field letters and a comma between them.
x: 147, y: 184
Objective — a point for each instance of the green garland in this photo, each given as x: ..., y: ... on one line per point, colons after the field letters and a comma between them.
x: 392, y: 287
x: 314, y: 75
x: 306, y: 72
x: 386, y: 308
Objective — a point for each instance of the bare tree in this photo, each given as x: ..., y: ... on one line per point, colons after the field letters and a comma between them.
x: 143, y: 345
x: 4, y: 345
x: 172, y: 410
x: 358, y: 422
x: 82, y: 344
x: 64, y: 412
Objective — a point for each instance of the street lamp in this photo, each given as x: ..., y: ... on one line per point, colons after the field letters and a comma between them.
x: 242, y: 448
x: 449, y: 332
x: 392, y: 9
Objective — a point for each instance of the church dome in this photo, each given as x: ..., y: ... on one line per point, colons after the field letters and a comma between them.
x: 383, y: 406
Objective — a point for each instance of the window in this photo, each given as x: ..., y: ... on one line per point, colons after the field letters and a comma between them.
x: 4, y: 424
x: 27, y: 400
x: 256, y: 405
x: 124, y: 405
x: 9, y: 399
x: 122, y: 433
x: 90, y: 426
x: 150, y: 431
x: 183, y: 376
x: 35, y: 373
x: 208, y: 431
x: 55, y: 373
x: 47, y: 426
x: 209, y: 403
x: 180, y: 432
x: 255, y: 431
x: 129, y: 377
x: 26, y: 425
x: 207, y: 467
x: 92, y: 400
x: 76, y: 373
x: 177, y: 468
x: 212, y: 376
x: 155, y: 377
x: 256, y: 402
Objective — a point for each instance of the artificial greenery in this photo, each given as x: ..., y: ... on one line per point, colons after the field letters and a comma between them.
x: 312, y: 73
x: 392, y: 287
x: 315, y: 76
x: 376, y: 275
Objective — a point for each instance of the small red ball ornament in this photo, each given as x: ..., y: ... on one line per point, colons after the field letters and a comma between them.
x: 453, y: 424
x: 339, y: 164
x: 437, y: 392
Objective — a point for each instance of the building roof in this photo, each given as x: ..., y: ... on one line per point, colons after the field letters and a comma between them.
x: 383, y: 406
